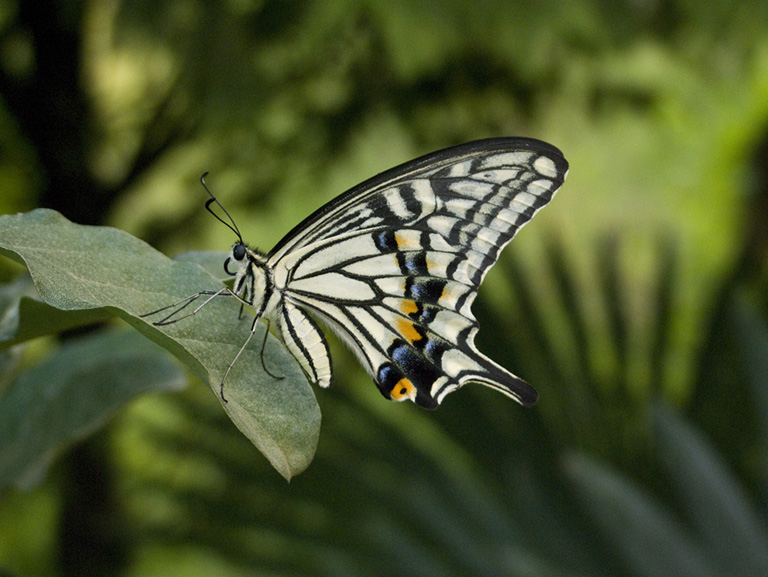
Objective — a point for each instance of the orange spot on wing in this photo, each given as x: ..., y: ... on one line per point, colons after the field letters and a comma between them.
x: 409, y: 307
x: 408, y: 330
x: 403, y: 389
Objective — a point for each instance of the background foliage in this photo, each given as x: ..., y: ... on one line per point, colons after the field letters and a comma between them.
x: 636, y: 303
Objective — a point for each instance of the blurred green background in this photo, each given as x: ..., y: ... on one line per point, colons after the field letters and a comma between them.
x: 636, y: 303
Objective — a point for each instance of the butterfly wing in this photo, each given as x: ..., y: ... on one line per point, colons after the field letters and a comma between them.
x: 394, y: 263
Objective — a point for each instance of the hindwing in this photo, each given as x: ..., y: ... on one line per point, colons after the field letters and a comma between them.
x: 394, y: 264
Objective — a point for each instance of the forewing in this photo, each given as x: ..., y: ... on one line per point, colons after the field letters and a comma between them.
x: 394, y: 264
x: 403, y: 194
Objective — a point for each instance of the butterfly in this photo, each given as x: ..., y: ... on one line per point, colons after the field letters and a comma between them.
x: 393, y: 266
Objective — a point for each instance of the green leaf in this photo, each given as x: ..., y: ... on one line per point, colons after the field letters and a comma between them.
x: 651, y: 541
x: 81, y: 267
x: 752, y: 335
x: 212, y: 261
x: 24, y: 317
x: 71, y: 394
x: 717, y: 504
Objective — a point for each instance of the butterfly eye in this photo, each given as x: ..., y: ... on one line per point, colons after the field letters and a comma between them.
x: 238, y: 252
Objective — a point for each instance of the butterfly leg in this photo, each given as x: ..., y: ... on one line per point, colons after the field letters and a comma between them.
x: 179, y: 306
x: 304, y: 340
x: 237, y: 356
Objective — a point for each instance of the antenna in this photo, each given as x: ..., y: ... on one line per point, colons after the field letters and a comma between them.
x: 209, y: 202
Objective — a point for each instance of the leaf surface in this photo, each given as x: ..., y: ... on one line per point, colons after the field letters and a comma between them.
x: 102, y: 269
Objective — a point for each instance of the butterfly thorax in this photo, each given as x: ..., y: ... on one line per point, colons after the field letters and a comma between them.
x: 253, y: 276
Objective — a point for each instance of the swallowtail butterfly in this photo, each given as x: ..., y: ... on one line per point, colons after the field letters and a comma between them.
x: 393, y: 266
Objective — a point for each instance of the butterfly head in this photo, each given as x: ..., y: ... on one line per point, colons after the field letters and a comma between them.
x: 252, y: 280
x: 237, y: 256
